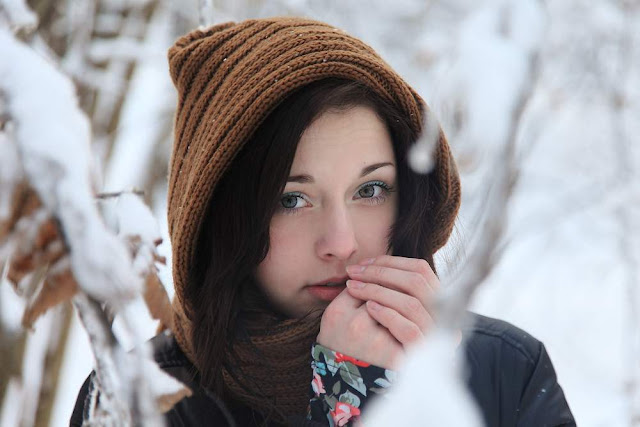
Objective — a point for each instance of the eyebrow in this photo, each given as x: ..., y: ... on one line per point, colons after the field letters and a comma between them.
x: 307, y: 179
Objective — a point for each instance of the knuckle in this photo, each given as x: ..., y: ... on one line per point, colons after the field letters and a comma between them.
x: 417, y: 281
x: 412, y: 332
x: 423, y: 267
x: 413, y: 305
x: 376, y: 270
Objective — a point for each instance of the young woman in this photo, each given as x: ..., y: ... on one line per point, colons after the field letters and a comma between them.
x: 303, y: 243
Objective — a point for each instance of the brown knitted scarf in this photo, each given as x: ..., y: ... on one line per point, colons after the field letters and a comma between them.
x: 271, y: 370
x: 276, y: 368
x: 229, y: 78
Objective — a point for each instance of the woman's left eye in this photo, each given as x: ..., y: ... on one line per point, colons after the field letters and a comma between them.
x: 374, y: 191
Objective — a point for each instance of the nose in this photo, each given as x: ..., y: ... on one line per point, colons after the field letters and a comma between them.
x: 337, y: 236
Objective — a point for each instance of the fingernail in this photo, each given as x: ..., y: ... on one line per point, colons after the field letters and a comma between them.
x: 354, y: 284
x: 373, y: 305
x: 354, y: 269
x: 367, y: 261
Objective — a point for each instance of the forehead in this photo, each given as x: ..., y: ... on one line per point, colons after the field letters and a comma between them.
x: 339, y: 136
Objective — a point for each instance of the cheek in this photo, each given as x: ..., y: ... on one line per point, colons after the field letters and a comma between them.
x: 373, y: 229
x: 285, y: 250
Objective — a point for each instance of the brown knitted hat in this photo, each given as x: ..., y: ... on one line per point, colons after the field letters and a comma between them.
x: 229, y: 78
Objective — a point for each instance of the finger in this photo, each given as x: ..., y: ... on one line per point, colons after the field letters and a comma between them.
x: 418, y: 265
x: 340, y: 312
x: 408, y: 282
x: 346, y: 301
x: 402, y: 329
x: 408, y: 306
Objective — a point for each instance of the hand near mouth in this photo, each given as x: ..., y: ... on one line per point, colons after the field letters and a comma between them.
x: 347, y: 327
x: 384, y: 311
x: 398, y: 292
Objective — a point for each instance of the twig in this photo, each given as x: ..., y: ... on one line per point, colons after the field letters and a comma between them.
x: 484, y: 255
x: 109, y: 195
x: 205, y: 7
x: 103, y: 343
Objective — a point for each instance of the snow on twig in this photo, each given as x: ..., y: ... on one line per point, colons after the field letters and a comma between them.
x: 112, y: 409
x: 520, y: 44
x: 434, y: 365
x: 206, y: 12
x: 18, y: 15
x: 47, y: 137
x: 53, y: 136
x: 421, y: 153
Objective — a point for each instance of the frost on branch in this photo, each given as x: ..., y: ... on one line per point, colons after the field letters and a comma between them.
x: 421, y: 153
x: 132, y: 220
x: 434, y: 377
x: 167, y: 390
x: 58, y: 243
x: 435, y: 371
x: 18, y: 15
x: 52, y: 139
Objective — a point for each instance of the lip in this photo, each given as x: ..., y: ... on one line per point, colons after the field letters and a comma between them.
x: 328, y: 293
x: 342, y: 279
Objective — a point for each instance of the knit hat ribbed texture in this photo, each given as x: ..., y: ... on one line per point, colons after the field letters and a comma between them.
x: 229, y: 78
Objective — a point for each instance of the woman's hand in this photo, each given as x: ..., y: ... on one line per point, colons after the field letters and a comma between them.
x: 348, y: 328
x: 398, y: 292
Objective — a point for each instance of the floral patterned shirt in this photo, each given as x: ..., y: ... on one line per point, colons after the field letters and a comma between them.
x: 341, y: 386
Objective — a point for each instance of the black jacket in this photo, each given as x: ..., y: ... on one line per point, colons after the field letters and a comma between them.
x: 510, y: 375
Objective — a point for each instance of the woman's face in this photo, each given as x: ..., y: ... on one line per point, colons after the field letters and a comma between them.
x: 337, y: 209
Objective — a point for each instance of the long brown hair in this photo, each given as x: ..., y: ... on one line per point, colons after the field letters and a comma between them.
x: 234, y: 237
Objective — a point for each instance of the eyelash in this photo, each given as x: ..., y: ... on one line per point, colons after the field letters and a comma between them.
x: 386, y: 190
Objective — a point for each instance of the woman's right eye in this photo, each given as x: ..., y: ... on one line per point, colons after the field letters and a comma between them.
x: 291, y: 202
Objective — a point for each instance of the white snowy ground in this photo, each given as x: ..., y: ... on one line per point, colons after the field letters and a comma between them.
x: 562, y: 278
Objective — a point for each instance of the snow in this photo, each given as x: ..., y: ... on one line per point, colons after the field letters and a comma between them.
x: 20, y: 401
x: 11, y: 308
x: 53, y: 139
x: 145, y: 114
x: 122, y: 48
x: 18, y: 14
x: 76, y: 366
x: 421, y: 153
x: 561, y: 275
x: 160, y: 383
x: 128, y: 216
x: 9, y: 410
x: 430, y: 371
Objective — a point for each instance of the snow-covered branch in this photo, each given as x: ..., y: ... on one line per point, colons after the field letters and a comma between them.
x: 435, y: 366
x: 57, y: 242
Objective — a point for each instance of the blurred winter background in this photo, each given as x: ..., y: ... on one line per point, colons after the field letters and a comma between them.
x: 559, y: 80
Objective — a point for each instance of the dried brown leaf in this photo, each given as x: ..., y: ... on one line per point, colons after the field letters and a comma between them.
x: 47, y: 233
x: 23, y: 202
x: 47, y: 248
x: 53, y: 252
x: 57, y: 287
x: 159, y: 259
x: 157, y: 300
x: 20, y: 266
